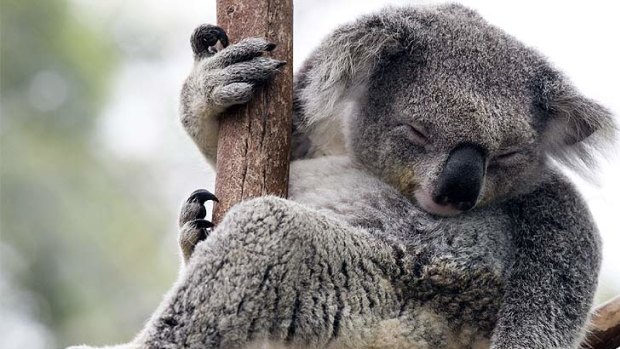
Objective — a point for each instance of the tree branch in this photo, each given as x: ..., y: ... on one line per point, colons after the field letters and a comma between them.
x: 605, y: 328
x: 254, y: 139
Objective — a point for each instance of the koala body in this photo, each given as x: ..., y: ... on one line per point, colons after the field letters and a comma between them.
x: 424, y: 210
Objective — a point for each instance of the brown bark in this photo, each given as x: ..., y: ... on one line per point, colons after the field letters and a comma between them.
x: 254, y: 139
x: 605, y: 329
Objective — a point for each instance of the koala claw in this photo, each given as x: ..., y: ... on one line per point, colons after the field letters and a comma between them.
x: 194, y: 228
x: 205, y: 38
x: 202, y: 224
x: 201, y: 196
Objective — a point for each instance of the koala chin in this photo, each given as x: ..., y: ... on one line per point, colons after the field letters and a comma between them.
x: 425, y: 208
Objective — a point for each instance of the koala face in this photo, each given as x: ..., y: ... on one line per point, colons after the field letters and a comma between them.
x: 443, y: 140
x: 465, y: 115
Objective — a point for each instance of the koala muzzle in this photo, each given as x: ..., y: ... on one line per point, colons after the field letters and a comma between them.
x: 460, y: 182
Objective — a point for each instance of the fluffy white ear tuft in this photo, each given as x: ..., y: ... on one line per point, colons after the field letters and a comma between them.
x: 336, y: 75
x: 579, y: 129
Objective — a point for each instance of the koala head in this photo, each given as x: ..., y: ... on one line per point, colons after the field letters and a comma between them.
x: 457, y: 114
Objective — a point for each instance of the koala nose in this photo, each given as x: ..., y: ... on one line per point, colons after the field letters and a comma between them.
x: 461, y: 180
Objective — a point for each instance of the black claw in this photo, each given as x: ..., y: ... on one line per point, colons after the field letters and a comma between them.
x: 281, y: 64
x: 205, y: 38
x: 270, y: 47
x: 201, y: 196
x: 202, y: 224
x: 202, y: 212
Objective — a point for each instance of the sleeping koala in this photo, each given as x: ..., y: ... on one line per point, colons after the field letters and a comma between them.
x: 425, y: 209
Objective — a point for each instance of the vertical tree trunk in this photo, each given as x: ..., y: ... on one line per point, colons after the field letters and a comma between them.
x: 254, y: 139
x: 604, y: 331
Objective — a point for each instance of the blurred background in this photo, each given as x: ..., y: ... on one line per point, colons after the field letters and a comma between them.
x: 94, y: 163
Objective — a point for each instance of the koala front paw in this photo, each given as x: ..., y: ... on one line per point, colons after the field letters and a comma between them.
x: 220, y: 79
x: 227, y: 77
x: 194, y: 228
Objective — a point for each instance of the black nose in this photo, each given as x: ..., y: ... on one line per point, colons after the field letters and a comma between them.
x: 462, y: 177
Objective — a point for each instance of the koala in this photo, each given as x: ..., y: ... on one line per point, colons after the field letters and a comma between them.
x: 426, y: 207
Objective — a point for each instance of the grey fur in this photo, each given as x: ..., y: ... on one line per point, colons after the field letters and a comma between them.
x: 358, y: 257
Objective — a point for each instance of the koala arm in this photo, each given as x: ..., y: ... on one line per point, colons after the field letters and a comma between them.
x: 551, y: 284
x: 219, y: 80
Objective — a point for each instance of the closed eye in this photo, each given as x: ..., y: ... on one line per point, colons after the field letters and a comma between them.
x: 508, y: 156
x: 416, y: 135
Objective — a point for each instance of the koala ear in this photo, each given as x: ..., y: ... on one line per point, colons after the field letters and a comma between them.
x: 334, y: 78
x: 342, y: 64
x: 574, y: 118
x: 578, y: 129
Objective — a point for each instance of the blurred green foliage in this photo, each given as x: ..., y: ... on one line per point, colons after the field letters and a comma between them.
x: 89, y: 251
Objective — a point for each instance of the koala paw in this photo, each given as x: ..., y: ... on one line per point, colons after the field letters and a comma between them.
x: 223, y: 75
x: 226, y: 77
x: 194, y: 228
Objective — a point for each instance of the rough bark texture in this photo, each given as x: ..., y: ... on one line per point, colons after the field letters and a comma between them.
x: 254, y: 140
x: 605, y: 329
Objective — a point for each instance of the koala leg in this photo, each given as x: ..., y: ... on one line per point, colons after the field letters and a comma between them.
x: 194, y: 228
x: 276, y: 271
